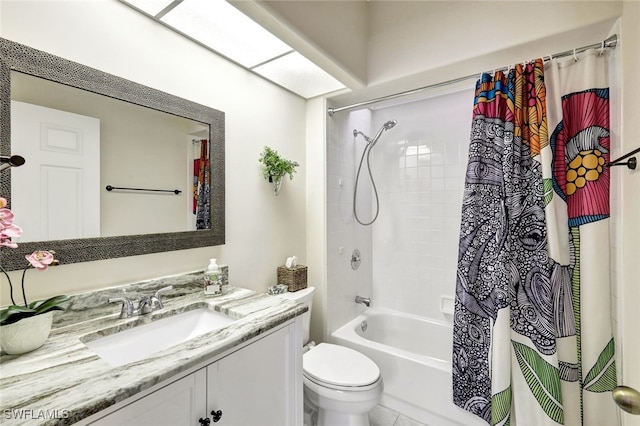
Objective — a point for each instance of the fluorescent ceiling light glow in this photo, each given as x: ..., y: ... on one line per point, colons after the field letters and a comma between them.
x: 300, y: 75
x: 152, y: 7
x: 223, y: 28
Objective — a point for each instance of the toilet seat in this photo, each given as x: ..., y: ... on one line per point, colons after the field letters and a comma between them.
x: 341, y: 368
x: 310, y: 380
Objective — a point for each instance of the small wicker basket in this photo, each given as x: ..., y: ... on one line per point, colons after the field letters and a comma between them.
x: 295, y: 278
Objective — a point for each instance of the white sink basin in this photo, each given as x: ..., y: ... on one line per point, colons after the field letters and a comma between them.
x: 139, y: 342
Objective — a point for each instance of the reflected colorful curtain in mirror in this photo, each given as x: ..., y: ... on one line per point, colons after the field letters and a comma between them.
x: 202, y: 186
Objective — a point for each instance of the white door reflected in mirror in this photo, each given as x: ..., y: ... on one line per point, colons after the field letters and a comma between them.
x: 59, y: 196
x: 138, y: 147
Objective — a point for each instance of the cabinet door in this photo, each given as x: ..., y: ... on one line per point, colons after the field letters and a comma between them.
x: 257, y: 384
x: 182, y: 402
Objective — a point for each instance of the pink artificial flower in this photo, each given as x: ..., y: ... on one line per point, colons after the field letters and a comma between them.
x: 40, y: 259
x: 6, y: 242
x: 6, y: 217
x: 7, y: 229
x: 11, y: 231
x: 7, y: 232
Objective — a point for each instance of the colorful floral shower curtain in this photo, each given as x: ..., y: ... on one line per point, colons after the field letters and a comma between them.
x: 518, y: 351
x: 202, y: 187
x: 578, y: 204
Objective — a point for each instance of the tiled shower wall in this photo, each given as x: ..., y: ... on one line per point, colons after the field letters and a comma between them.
x: 409, y: 254
x: 344, y: 234
x: 419, y: 168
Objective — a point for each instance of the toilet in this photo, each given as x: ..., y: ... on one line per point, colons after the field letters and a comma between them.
x: 342, y: 384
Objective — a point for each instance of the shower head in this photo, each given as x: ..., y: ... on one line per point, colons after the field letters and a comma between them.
x: 390, y: 124
x: 386, y: 126
x: 372, y: 141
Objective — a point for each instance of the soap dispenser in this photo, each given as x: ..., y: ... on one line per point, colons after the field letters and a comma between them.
x: 212, y: 281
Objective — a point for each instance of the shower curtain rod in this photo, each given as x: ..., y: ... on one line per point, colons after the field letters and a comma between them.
x: 608, y: 43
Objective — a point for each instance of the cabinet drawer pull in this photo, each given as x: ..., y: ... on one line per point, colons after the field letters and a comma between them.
x: 205, y: 422
x: 216, y: 415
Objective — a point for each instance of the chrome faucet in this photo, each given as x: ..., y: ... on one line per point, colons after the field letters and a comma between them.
x: 127, y: 306
x: 146, y: 304
x: 156, y: 303
x: 364, y: 300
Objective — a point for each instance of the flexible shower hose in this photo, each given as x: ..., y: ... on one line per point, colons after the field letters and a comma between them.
x: 367, y: 151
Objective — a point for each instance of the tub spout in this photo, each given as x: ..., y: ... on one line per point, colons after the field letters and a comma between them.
x: 364, y: 300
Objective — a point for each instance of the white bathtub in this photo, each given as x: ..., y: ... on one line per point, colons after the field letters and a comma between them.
x: 414, y: 356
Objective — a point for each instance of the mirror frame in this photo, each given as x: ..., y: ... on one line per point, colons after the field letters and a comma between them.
x: 21, y: 58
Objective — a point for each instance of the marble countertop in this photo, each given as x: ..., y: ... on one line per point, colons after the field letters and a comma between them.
x: 66, y: 380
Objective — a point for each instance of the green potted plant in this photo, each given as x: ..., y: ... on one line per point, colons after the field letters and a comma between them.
x: 275, y: 167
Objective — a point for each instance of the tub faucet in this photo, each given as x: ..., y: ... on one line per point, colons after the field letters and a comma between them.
x: 364, y: 300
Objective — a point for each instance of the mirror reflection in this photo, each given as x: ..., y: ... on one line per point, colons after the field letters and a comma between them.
x: 76, y: 143
x: 148, y: 153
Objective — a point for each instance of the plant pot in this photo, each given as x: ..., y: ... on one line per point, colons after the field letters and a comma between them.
x: 277, y: 183
x: 25, y: 335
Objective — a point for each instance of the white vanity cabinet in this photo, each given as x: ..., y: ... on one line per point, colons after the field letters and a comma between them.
x: 177, y: 403
x: 258, y: 384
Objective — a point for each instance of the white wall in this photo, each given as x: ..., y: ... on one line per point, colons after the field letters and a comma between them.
x: 412, y: 64
x: 261, y: 229
x: 404, y: 39
x: 629, y: 230
x: 418, y: 36
x: 316, y: 214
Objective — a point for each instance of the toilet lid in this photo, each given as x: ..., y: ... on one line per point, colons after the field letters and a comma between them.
x: 339, y: 365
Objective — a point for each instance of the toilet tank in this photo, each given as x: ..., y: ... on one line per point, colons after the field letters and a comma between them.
x: 304, y: 296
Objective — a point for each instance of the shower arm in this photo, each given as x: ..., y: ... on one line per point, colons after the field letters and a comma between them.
x: 358, y: 132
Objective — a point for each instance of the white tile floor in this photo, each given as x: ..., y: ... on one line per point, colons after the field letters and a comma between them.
x: 383, y: 416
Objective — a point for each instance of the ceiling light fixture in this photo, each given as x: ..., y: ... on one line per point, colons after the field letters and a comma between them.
x: 222, y: 28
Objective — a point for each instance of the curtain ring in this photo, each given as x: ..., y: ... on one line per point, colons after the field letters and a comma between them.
x: 601, y: 49
x: 575, y: 58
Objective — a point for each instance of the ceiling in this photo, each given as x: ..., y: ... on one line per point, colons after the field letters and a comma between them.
x: 376, y: 48
x: 223, y: 29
